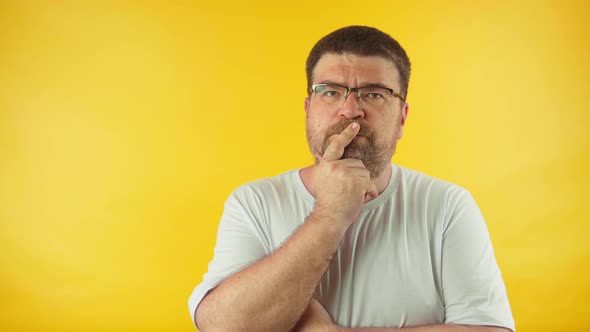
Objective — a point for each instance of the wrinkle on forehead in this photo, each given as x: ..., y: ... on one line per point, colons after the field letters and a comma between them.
x: 354, y: 71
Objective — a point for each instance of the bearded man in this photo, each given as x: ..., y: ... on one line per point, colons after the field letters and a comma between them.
x: 353, y: 242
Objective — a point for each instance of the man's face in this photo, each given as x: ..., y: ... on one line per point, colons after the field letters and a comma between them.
x: 381, y: 127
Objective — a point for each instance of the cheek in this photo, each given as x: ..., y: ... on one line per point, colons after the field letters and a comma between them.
x: 386, y: 129
x: 313, y: 125
x: 317, y: 123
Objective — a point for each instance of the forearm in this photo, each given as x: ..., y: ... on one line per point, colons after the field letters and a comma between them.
x: 431, y: 328
x: 271, y: 294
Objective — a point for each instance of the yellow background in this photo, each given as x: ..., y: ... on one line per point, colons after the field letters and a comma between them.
x: 125, y: 125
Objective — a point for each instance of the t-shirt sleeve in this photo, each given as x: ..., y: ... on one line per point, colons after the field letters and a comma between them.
x: 474, y: 292
x: 238, y: 245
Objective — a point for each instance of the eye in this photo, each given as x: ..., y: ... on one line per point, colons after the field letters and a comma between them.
x: 374, y: 95
x: 330, y: 93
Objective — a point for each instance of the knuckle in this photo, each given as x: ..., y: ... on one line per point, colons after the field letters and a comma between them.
x: 330, y: 167
x: 359, y: 163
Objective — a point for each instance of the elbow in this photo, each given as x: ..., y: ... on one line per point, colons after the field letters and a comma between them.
x: 196, y: 316
x: 205, y: 319
x: 209, y: 319
x: 206, y: 315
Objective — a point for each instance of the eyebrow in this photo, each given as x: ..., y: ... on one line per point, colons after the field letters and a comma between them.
x: 366, y: 85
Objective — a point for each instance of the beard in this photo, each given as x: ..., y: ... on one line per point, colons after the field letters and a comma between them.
x: 375, y: 155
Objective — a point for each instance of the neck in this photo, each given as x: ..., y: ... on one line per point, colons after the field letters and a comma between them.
x: 307, y: 175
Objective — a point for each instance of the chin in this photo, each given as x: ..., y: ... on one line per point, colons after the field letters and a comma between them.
x: 354, y: 153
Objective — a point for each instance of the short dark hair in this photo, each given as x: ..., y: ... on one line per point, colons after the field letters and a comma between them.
x: 361, y: 41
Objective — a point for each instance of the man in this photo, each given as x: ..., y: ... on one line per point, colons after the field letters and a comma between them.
x: 353, y: 242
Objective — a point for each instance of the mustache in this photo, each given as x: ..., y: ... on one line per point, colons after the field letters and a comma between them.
x: 338, y: 127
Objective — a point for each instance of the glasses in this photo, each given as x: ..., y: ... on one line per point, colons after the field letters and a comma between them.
x: 335, y: 95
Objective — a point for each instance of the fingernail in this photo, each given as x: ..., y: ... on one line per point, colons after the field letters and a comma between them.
x: 355, y: 125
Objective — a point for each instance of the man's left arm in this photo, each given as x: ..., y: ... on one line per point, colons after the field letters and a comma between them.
x: 474, y: 292
x: 430, y: 328
x: 472, y: 286
x: 317, y: 319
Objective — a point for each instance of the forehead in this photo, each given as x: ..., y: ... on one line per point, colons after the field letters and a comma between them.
x: 355, y: 70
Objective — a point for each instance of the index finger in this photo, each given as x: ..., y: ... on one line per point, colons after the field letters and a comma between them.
x: 335, y: 149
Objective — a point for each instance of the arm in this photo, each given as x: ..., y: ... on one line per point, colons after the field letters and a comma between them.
x: 432, y: 328
x: 316, y: 319
x: 474, y: 292
x: 271, y: 294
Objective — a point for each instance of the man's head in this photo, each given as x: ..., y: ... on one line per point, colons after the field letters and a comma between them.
x: 361, y: 41
x: 357, y: 57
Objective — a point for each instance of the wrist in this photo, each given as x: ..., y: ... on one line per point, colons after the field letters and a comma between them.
x: 328, y: 221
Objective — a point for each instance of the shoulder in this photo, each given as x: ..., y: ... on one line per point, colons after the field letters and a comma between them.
x: 452, y: 204
x: 266, y: 188
x: 421, y: 183
x: 423, y: 191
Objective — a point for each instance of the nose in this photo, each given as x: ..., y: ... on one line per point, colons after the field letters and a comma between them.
x: 351, y: 108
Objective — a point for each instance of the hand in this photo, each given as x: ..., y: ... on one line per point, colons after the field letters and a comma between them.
x: 342, y: 186
x: 315, y: 319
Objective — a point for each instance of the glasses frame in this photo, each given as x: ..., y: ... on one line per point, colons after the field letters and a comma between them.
x: 349, y: 90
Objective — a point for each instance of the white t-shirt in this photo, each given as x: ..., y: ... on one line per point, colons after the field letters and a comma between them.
x: 419, y: 253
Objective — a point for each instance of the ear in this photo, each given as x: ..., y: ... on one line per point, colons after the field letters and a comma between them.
x: 306, y: 105
x: 404, y: 117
